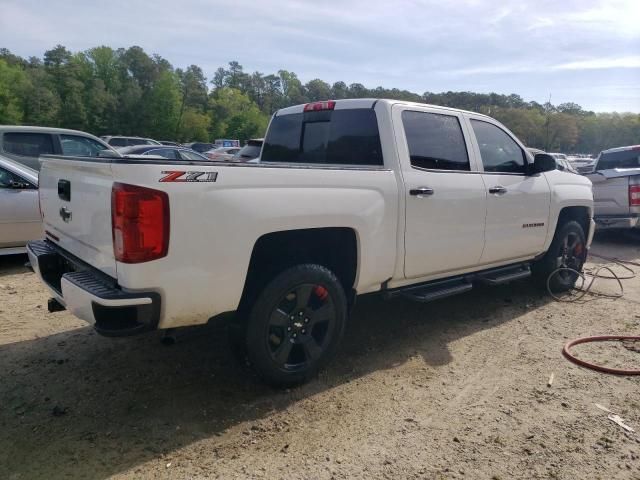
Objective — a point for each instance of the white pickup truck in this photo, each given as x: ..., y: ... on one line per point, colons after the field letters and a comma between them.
x: 350, y: 197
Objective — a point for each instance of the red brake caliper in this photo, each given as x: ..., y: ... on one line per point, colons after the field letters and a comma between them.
x: 321, y: 292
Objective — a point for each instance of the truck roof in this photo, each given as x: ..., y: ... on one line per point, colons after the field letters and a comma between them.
x: 349, y: 103
x: 622, y: 149
x: 27, y: 128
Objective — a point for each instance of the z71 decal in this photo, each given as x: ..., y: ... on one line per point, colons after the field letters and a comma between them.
x: 182, y: 176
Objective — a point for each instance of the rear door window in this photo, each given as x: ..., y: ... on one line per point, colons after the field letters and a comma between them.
x: 435, y: 141
x: 28, y: 144
x: 334, y: 137
x: 80, y: 146
x: 623, y: 159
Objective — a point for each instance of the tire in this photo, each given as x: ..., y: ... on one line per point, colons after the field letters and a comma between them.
x: 295, y: 324
x: 567, y: 250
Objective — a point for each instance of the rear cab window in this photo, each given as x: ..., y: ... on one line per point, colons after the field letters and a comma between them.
x: 621, y: 159
x: 347, y: 137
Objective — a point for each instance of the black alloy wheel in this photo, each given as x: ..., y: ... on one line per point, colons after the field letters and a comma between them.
x: 296, y: 324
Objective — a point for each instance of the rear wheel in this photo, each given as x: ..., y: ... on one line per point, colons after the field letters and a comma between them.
x: 565, y: 257
x: 296, y: 324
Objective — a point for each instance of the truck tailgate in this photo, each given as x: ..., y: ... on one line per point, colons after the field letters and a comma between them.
x: 75, y: 198
x: 610, y: 195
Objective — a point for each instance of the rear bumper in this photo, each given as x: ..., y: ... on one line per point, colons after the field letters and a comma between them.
x: 91, y: 295
x: 604, y: 222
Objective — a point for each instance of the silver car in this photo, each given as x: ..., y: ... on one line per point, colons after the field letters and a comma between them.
x: 20, y: 220
x: 221, y: 154
x: 25, y: 144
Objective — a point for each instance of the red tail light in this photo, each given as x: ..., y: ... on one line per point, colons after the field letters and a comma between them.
x: 634, y: 195
x: 140, y: 223
x: 317, y: 106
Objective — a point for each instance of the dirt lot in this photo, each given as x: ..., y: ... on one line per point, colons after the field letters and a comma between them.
x: 453, y: 389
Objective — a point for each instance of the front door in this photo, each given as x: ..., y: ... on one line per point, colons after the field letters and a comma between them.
x: 19, y: 214
x: 445, y: 196
x: 517, y: 204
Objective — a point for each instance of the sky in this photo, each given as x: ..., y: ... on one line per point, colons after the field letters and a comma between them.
x: 582, y: 51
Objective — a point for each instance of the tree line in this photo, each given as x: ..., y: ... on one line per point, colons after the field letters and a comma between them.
x: 126, y: 91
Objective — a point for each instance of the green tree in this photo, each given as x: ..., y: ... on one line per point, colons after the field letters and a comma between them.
x: 41, y: 102
x: 194, y: 126
x: 292, y: 88
x: 317, y: 90
x: 235, y: 115
x: 162, y: 107
x: 13, y: 85
x: 339, y: 90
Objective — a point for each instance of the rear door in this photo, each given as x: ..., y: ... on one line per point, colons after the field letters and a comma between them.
x: 444, y: 193
x: 517, y: 204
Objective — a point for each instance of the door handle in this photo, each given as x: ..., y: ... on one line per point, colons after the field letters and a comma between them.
x: 419, y: 192
x: 498, y: 190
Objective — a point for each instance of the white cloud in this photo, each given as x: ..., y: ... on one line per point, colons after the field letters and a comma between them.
x: 524, y: 47
x: 601, y: 63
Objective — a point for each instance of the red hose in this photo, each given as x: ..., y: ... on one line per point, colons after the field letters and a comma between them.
x: 599, y: 368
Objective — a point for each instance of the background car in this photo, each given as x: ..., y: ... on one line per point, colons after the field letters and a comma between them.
x: 25, y: 144
x: 583, y: 164
x: 173, y: 153
x: 561, y: 160
x: 222, y: 154
x: 250, y: 151
x: 118, y: 141
x: 199, y: 147
x: 20, y: 220
x: 170, y: 143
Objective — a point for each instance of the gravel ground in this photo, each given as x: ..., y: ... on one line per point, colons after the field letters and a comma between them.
x: 452, y: 389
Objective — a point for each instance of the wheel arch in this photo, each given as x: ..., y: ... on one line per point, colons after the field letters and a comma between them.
x: 580, y: 214
x: 336, y: 248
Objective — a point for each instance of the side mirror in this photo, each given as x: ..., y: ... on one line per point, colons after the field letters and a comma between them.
x: 543, y: 162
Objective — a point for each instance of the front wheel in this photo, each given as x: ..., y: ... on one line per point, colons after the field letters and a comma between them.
x: 296, y: 324
x: 566, y: 255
